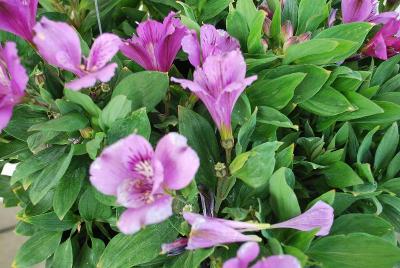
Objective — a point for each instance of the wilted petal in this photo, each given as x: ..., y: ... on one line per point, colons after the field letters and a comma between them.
x: 281, y: 261
x: 65, y: 48
x: 119, y: 162
x: 103, y: 50
x: 357, y: 10
x: 18, y: 17
x: 175, y: 247
x: 89, y: 79
x: 247, y: 253
x: 132, y: 220
x: 180, y: 162
x: 318, y: 216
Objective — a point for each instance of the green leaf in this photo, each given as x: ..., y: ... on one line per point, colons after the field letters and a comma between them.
x: 247, y: 10
x: 393, y: 167
x: 270, y: 116
x: 387, y: 148
x: 327, y: 102
x: 341, y: 175
x: 143, y: 89
x: 89, y: 256
x: 68, y: 189
x: 254, y: 44
x: 38, y: 248
x: 137, y: 122
x: 118, y: 107
x: 283, y: 199
x: 84, y: 101
x: 365, y: 145
x: 275, y: 28
x: 66, y: 123
x: 364, y: 107
x: 245, y: 133
x: 246, y: 166
x: 201, y: 138
x: 237, y: 27
x: 191, y: 258
x: 391, y: 114
x: 384, y: 71
x: 49, y: 221
x: 49, y: 177
x: 145, y: 244
x: 314, y: 80
x: 340, y: 251
x: 361, y: 223
x: 91, y: 209
x: 63, y: 257
x: 311, y: 14
x: 213, y: 7
x: 275, y: 93
x: 93, y: 146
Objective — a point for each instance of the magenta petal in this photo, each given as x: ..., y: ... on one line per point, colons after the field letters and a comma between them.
x: 103, y: 50
x: 180, y: 162
x: 65, y: 48
x: 88, y: 80
x: 19, y: 77
x: 318, y: 216
x: 247, y: 253
x: 384, y: 17
x: 116, y: 163
x: 356, y: 10
x: 132, y: 220
x: 191, y: 46
x: 281, y: 261
x: 5, y: 116
x: 18, y: 17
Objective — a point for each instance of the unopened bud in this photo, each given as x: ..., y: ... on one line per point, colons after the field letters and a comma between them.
x: 87, y: 133
x: 287, y: 30
x: 267, y: 26
x: 220, y: 170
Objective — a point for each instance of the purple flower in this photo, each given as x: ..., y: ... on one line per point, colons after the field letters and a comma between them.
x: 386, y: 43
x: 332, y: 17
x: 208, y: 232
x: 139, y: 176
x: 65, y: 52
x: 212, y: 42
x: 281, y: 261
x: 219, y: 83
x: 318, y: 216
x: 13, y: 81
x: 156, y: 44
x: 364, y: 10
x: 18, y: 17
x: 248, y: 252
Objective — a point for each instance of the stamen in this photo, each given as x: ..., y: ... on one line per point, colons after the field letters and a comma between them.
x: 144, y: 168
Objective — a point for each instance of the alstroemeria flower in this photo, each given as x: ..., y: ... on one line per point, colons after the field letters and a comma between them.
x: 319, y: 216
x: 219, y: 83
x: 156, y: 44
x: 139, y: 176
x: 18, y: 17
x: 248, y: 252
x: 58, y: 43
x: 212, y: 42
x: 386, y: 43
x: 13, y: 81
x: 208, y: 232
x: 364, y: 10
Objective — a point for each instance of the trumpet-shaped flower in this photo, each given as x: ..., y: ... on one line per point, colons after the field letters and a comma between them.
x: 219, y: 83
x: 248, y: 252
x: 319, y: 216
x: 65, y: 52
x: 208, y: 232
x: 386, y: 43
x: 140, y: 177
x: 364, y: 10
x: 156, y: 44
x: 18, y: 17
x: 212, y: 42
x: 13, y: 81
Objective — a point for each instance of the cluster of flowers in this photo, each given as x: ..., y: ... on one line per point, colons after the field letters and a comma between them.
x: 142, y: 179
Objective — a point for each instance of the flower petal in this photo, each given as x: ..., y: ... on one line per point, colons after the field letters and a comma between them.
x: 356, y: 10
x: 281, y: 261
x: 103, y: 50
x: 191, y: 45
x: 19, y: 77
x: 319, y: 215
x: 116, y: 163
x: 180, y: 162
x: 88, y: 80
x: 132, y: 220
x: 5, y: 116
x: 65, y: 48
